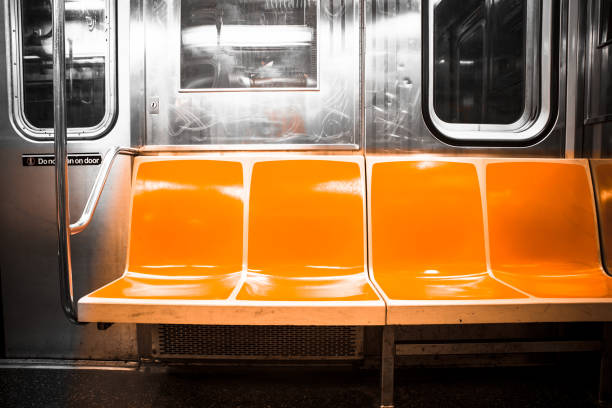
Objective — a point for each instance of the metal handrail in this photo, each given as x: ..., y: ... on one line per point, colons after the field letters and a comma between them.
x: 64, y: 228
x: 96, y: 191
x: 61, y: 163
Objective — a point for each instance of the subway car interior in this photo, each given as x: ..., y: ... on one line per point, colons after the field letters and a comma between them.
x: 358, y: 187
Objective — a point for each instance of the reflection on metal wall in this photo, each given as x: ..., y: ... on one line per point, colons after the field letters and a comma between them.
x: 394, y: 90
x: 598, y: 89
x: 252, y: 72
x: 393, y: 76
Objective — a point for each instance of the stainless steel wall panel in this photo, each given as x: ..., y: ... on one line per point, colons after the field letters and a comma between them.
x: 598, y: 140
x: 598, y: 88
x: 394, y: 88
x: 243, y: 118
x: 599, y: 63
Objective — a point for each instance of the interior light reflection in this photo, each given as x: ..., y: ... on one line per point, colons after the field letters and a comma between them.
x: 247, y: 36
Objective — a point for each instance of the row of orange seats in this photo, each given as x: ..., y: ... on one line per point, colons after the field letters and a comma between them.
x: 234, y: 239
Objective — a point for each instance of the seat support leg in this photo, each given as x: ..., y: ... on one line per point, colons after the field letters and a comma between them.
x: 387, y: 367
x: 605, y: 377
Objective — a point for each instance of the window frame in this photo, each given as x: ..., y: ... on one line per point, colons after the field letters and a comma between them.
x: 537, y: 104
x: 13, y: 10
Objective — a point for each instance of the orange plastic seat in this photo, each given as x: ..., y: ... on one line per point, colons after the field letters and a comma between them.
x: 602, y: 176
x: 428, y: 234
x: 542, y: 229
x: 185, y: 241
x: 307, y: 237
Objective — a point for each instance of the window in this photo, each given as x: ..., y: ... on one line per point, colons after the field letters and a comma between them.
x: 488, y: 77
x: 90, y: 75
x: 605, y: 24
x: 248, y: 44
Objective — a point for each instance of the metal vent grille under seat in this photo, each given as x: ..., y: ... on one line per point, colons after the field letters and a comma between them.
x: 258, y: 342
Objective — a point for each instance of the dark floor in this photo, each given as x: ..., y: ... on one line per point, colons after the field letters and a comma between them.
x: 556, y: 386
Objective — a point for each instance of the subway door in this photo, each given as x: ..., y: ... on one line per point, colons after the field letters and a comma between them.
x: 98, y: 106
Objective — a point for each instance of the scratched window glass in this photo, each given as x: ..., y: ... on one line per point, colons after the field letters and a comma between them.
x: 250, y: 44
x: 87, y: 47
x: 480, y: 62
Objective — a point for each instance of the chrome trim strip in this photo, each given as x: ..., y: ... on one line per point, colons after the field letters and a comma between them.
x: 60, y: 364
x: 247, y: 147
x: 572, y: 79
x: 138, y: 78
x: 598, y: 119
x: 505, y: 347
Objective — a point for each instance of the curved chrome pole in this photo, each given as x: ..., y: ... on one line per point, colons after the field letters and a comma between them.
x: 61, y: 163
x: 94, y: 196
